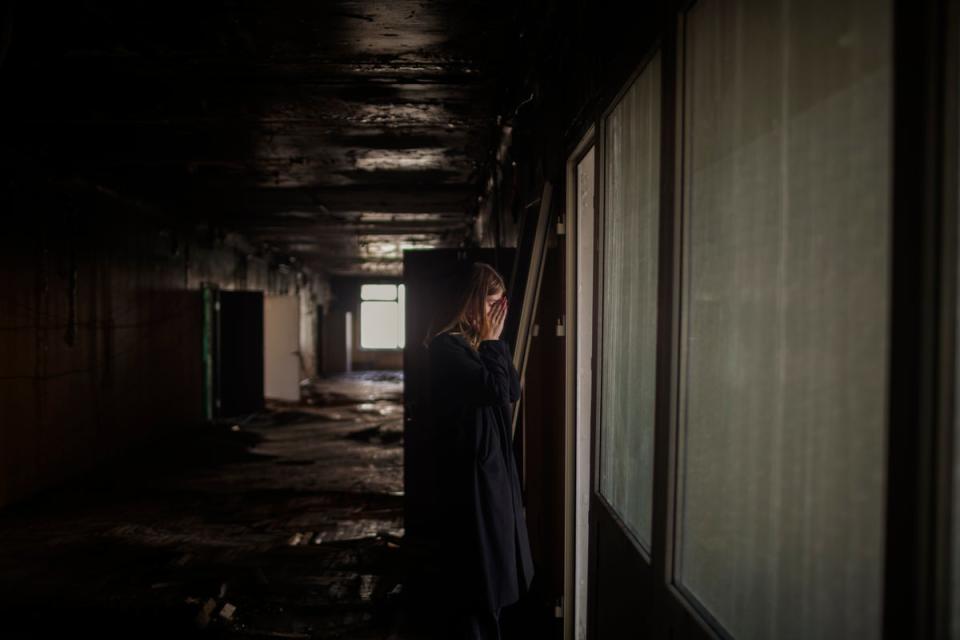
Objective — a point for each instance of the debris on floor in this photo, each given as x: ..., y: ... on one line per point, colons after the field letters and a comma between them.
x: 284, y: 524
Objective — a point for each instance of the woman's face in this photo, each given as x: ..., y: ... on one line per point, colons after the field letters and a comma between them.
x: 492, y: 300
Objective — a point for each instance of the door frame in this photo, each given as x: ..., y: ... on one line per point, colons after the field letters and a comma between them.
x: 576, y: 483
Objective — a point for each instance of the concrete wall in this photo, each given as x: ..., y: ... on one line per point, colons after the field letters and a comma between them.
x: 100, y: 339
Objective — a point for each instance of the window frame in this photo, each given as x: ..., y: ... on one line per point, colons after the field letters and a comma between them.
x: 917, y: 590
x: 600, y: 219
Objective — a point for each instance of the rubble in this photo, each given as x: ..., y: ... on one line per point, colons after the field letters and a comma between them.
x: 303, y: 551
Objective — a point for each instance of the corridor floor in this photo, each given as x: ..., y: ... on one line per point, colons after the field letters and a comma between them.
x: 283, y: 524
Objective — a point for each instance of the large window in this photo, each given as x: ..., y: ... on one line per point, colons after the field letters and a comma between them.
x: 381, y: 316
x: 787, y: 205
x: 629, y: 329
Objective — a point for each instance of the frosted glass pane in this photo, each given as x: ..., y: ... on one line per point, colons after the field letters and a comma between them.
x: 787, y: 196
x: 379, y: 325
x: 378, y: 292
x: 631, y: 183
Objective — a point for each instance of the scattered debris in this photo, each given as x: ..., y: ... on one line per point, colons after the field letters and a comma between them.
x: 203, y: 617
x: 367, y: 584
x: 165, y: 585
x: 227, y: 611
x: 281, y: 418
x: 338, y: 591
x: 221, y: 525
x: 386, y: 433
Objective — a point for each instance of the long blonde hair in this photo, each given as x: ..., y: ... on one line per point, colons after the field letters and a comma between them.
x: 466, y: 310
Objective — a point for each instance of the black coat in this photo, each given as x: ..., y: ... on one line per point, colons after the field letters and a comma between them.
x: 487, y: 549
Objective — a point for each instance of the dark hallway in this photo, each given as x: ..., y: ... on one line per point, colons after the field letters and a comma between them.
x: 521, y: 320
x: 206, y: 208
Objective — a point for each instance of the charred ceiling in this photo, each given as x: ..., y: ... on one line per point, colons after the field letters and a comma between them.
x: 342, y: 132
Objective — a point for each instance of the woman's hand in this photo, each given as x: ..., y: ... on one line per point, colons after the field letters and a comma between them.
x: 495, y: 319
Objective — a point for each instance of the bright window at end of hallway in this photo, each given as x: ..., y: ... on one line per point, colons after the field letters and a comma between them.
x: 381, y: 316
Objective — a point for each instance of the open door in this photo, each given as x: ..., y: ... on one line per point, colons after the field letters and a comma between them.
x: 238, y: 352
x: 281, y: 348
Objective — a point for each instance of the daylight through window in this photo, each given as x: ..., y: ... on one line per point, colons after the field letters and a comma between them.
x: 381, y: 316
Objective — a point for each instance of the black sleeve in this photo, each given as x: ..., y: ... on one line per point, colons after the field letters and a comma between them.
x: 487, y: 380
x: 514, y: 377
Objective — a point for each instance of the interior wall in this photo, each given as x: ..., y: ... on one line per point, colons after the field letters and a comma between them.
x: 100, y: 341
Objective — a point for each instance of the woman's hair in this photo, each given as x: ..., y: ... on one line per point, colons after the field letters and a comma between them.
x: 463, y: 309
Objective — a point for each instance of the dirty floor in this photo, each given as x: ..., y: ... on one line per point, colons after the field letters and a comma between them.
x: 282, y: 524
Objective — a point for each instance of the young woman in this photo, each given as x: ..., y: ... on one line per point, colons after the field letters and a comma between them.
x: 472, y: 383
